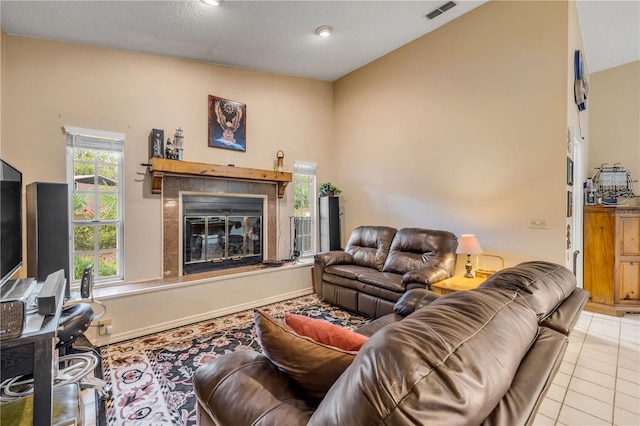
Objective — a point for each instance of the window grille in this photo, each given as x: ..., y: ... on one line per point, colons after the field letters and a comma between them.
x: 304, y: 229
x: 95, y: 167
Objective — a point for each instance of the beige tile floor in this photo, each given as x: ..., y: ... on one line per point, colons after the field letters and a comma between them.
x: 598, y: 382
x: 90, y: 399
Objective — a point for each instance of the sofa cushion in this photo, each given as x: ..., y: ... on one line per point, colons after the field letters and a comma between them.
x: 275, y: 399
x: 532, y: 381
x: 413, y: 300
x: 369, y: 245
x: 325, y: 332
x: 565, y: 317
x: 450, y: 363
x: 378, y: 292
x: 543, y: 285
x: 372, y: 327
x: 338, y: 281
x: 415, y: 248
x: 347, y: 271
x: 385, y: 280
x: 335, y: 257
x: 312, y: 365
x: 376, y: 304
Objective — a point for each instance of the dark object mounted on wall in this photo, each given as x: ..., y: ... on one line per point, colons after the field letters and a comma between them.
x: 227, y: 124
x: 156, y: 146
x: 580, y: 85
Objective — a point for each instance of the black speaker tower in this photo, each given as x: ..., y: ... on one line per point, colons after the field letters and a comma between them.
x: 48, y: 230
x: 329, y: 223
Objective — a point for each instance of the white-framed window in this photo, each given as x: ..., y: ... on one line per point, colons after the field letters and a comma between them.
x: 95, y: 168
x: 304, y: 196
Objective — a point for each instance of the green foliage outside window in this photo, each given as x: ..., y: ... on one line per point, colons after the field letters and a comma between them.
x: 302, y: 189
x: 85, y: 198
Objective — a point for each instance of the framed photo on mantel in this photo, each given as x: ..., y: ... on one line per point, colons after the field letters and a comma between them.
x: 227, y: 124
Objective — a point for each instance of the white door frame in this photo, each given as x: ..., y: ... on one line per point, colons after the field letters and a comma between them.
x: 578, y: 203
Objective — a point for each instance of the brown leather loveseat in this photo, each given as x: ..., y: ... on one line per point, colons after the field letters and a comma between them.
x: 379, y: 264
x: 486, y: 356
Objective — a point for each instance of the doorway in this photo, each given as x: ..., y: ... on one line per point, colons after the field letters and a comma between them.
x: 575, y: 252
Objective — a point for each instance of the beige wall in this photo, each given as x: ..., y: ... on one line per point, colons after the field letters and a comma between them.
x: 1, y: 86
x: 50, y: 84
x: 463, y: 129
x: 614, y: 96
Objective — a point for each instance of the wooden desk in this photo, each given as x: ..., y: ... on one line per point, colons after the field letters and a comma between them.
x: 34, y: 353
x: 457, y: 283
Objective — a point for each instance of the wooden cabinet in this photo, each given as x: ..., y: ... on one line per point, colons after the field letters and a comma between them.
x: 612, y: 259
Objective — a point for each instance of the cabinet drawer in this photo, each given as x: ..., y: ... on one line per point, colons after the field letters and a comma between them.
x: 629, y: 238
x: 629, y: 284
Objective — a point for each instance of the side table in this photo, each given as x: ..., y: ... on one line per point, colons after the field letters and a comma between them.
x: 457, y: 283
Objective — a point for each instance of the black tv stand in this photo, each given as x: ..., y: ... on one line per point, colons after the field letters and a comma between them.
x: 32, y: 353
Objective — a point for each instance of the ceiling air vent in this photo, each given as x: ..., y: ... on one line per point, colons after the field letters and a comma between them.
x: 440, y: 10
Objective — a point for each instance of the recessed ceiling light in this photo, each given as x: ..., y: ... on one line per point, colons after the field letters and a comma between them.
x: 324, y: 31
x: 212, y: 2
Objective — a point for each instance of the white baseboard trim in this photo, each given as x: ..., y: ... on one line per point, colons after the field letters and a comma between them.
x: 139, y: 332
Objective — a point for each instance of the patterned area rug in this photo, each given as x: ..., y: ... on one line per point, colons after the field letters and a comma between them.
x: 151, y: 376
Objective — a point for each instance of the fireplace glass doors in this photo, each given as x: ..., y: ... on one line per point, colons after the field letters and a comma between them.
x: 221, y: 234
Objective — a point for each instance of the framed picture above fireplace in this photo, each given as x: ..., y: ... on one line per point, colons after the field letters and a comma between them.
x: 227, y: 124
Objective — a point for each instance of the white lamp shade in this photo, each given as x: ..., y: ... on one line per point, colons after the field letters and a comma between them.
x: 468, y: 244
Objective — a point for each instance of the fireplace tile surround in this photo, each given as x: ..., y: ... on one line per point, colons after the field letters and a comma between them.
x: 173, y: 185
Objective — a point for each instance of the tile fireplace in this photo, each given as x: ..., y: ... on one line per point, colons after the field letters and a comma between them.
x: 221, y: 231
x: 208, y: 224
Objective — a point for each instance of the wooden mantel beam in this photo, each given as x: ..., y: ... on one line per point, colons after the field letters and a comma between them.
x: 161, y: 167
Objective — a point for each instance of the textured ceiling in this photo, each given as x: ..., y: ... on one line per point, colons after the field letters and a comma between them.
x: 610, y: 32
x: 275, y: 36
x: 278, y: 36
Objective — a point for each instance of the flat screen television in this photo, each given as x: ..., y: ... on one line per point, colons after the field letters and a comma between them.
x: 10, y: 221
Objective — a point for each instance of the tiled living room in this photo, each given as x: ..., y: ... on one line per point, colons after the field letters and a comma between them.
x: 470, y: 122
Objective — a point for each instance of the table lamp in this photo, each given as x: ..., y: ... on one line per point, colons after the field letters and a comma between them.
x: 468, y: 244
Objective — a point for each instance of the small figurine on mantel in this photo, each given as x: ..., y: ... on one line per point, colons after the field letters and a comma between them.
x: 179, y: 142
x: 172, y: 152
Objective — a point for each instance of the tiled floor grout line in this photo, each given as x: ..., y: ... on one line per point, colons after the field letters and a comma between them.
x: 573, y: 370
x: 615, y: 378
x: 598, y: 330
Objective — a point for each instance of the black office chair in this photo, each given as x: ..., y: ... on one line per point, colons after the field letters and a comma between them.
x: 74, y: 363
x: 75, y: 320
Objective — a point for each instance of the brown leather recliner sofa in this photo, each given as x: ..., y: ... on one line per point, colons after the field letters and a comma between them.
x: 486, y: 356
x: 379, y: 264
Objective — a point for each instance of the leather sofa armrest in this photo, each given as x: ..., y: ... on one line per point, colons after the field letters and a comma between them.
x: 425, y: 276
x: 564, y: 318
x: 533, y: 379
x: 274, y: 397
x: 413, y: 300
x: 335, y: 257
x: 328, y: 258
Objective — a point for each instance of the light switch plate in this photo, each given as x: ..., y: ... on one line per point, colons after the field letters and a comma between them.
x: 539, y: 222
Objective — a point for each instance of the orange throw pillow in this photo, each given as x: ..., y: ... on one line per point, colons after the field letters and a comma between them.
x: 326, y: 333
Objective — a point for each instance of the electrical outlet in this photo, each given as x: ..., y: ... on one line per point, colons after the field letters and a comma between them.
x: 105, y: 326
x: 539, y: 222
